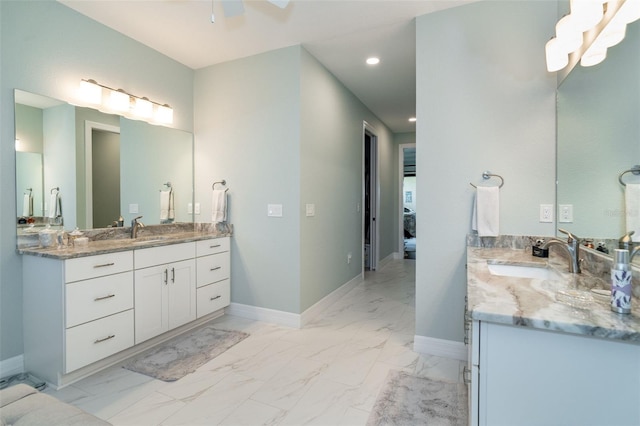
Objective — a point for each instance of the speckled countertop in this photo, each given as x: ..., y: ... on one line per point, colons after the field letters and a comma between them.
x: 117, y: 240
x: 534, y: 302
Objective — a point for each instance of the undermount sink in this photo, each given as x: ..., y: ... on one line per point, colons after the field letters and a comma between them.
x: 149, y: 240
x: 523, y: 271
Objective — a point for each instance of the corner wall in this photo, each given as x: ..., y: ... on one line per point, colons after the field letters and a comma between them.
x: 484, y: 102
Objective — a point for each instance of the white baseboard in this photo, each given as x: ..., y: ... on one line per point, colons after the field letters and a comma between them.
x: 440, y: 347
x: 11, y: 366
x: 314, y: 311
x: 382, y: 263
x: 257, y: 313
x: 289, y: 319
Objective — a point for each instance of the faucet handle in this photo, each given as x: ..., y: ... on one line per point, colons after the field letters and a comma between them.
x: 134, y: 220
x: 570, y: 237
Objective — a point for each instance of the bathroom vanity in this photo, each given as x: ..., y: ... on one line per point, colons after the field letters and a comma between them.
x: 547, y: 350
x: 86, y: 308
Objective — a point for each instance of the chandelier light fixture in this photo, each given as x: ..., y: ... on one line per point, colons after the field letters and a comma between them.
x: 108, y: 99
x: 585, y: 34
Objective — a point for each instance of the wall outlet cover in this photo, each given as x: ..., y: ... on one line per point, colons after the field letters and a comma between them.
x: 274, y: 210
x: 311, y: 209
x: 565, y: 213
x: 546, y: 213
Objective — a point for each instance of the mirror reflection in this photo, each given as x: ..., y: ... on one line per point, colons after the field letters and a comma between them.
x: 96, y: 167
x: 599, y: 138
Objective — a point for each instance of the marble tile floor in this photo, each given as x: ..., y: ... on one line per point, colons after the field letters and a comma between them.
x: 328, y: 373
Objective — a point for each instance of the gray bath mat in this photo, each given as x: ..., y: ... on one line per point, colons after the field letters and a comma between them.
x: 410, y: 400
x: 182, y: 355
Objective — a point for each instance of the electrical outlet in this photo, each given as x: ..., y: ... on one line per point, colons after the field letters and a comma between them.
x: 546, y: 213
x: 197, y: 208
x: 133, y: 208
x: 565, y: 214
x: 349, y: 256
x: 311, y: 209
x: 189, y: 208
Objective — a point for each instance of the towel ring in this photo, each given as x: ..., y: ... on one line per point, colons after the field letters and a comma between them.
x: 223, y: 182
x: 168, y: 184
x: 635, y: 170
x: 488, y: 175
x: 57, y: 189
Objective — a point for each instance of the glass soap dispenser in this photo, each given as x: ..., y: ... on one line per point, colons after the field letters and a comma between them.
x: 621, y: 282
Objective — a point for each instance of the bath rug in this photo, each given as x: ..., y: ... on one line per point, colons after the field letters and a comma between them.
x: 182, y: 355
x: 410, y: 400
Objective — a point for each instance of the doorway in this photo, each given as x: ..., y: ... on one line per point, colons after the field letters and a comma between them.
x: 407, y: 157
x: 370, y: 202
x: 102, y: 168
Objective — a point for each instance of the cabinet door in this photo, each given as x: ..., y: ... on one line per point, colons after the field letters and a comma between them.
x: 181, y: 293
x: 151, y: 302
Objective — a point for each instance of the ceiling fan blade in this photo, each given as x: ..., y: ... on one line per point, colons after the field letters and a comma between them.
x: 232, y: 8
x: 280, y: 3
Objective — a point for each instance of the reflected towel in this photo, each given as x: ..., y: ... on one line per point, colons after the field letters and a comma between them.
x: 632, y: 209
x: 27, y: 205
x: 486, y: 211
x: 167, y: 209
x: 219, y: 206
x: 55, y: 205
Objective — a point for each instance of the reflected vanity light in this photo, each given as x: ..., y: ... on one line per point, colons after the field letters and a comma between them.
x: 589, y: 30
x: 109, y: 99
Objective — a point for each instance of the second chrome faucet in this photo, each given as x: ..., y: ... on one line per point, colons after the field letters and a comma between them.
x: 135, y: 225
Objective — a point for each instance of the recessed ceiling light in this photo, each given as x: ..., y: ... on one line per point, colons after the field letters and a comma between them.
x: 373, y: 61
x: 412, y: 119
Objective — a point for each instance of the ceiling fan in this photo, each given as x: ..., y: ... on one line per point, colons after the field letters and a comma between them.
x: 236, y: 7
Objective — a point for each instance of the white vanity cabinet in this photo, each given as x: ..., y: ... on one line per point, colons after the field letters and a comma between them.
x: 527, y: 376
x: 165, y: 289
x: 213, y: 264
x: 76, y: 311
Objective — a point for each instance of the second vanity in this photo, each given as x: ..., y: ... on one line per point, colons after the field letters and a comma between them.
x: 91, y: 307
x: 547, y: 350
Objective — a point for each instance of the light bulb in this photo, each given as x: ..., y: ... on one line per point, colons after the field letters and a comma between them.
x: 557, y: 58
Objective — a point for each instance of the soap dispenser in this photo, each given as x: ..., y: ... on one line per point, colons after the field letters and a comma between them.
x: 621, y: 282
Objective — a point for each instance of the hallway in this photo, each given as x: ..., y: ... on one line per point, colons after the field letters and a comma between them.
x: 328, y: 373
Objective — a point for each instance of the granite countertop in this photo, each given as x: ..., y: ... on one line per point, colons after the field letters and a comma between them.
x: 534, y: 302
x: 148, y: 237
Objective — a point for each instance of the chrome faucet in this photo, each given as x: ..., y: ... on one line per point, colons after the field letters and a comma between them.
x: 135, y: 225
x: 571, y: 247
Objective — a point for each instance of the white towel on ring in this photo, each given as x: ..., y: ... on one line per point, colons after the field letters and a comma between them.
x: 632, y: 209
x: 486, y: 211
x: 167, y: 209
x: 27, y: 205
x: 219, y: 205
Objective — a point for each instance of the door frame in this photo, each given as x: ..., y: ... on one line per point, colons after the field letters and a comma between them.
x: 89, y: 127
x: 374, y: 231
x: 401, y: 148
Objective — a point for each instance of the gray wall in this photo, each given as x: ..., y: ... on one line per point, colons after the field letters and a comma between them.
x: 281, y: 129
x: 484, y: 102
x: 47, y: 48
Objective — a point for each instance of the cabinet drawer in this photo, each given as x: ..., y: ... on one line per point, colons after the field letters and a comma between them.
x: 97, y: 298
x: 83, y: 268
x: 153, y: 256
x: 212, y: 297
x: 213, y: 268
x: 98, y: 339
x: 212, y: 246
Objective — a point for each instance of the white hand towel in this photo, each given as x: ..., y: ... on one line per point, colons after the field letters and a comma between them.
x: 486, y: 211
x: 165, y: 204
x: 27, y: 205
x: 219, y: 205
x: 55, y: 205
x: 172, y: 207
x: 632, y: 209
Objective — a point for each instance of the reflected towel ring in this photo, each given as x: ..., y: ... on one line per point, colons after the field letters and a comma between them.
x: 223, y: 182
x: 57, y: 189
x: 635, y: 170
x: 488, y: 175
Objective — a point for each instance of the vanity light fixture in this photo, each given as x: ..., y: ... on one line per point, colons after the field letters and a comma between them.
x: 588, y: 31
x: 412, y: 120
x: 373, y: 61
x: 136, y: 107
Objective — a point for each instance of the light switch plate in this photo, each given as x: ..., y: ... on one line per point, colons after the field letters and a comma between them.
x: 274, y: 210
x: 311, y: 209
x: 133, y: 208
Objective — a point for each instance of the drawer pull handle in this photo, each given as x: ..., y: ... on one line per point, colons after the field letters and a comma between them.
x: 215, y: 269
x: 105, y: 339
x: 216, y: 246
x: 109, y: 296
x: 466, y: 375
x: 166, y: 276
x: 173, y: 275
x: 216, y: 297
x: 104, y: 265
